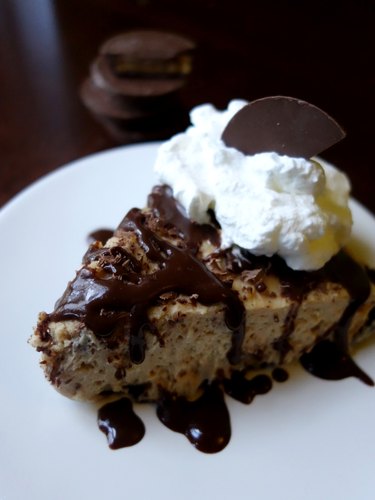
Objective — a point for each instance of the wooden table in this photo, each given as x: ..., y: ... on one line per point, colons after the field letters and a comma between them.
x: 319, y: 51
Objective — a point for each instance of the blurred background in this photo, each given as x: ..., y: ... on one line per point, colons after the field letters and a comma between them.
x: 321, y: 51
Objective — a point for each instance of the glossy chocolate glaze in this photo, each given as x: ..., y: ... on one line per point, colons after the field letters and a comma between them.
x: 280, y: 374
x: 205, y: 421
x: 242, y: 389
x: 101, y: 234
x: 120, y: 424
x: 330, y: 359
x: 114, y: 299
x: 119, y: 294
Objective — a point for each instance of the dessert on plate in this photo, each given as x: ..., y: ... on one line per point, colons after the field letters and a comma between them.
x: 236, y: 263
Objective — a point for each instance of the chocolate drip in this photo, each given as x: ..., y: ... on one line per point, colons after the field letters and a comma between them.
x: 282, y: 344
x: 171, y: 213
x: 102, y: 235
x: 371, y: 275
x: 245, y: 390
x: 115, y: 297
x: 205, y: 421
x: 330, y: 359
x: 371, y: 316
x: 280, y: 375
x: 120, y: 424
x: 293, y: 284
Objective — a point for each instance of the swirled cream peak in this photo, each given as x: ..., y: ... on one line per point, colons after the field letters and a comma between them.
x: 266, y: 203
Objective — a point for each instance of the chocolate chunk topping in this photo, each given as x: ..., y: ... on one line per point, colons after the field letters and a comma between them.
x: 285, y: 125
x: 330, y: 359
x: 119, y: 106
x: 242, y: 389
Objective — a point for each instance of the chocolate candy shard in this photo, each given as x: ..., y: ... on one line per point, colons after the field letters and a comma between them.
x: 285, y: 125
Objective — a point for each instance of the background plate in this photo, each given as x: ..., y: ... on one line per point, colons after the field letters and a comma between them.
x: 307, y: 439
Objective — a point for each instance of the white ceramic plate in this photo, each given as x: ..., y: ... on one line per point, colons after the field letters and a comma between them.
x: 307, y: 439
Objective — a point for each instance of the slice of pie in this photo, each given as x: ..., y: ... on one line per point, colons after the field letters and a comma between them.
x: 160, y: 308
x: 162, y: 311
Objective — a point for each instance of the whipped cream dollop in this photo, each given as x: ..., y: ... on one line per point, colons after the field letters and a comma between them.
x: 266, y: 203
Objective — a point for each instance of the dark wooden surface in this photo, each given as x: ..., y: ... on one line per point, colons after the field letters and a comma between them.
x: 321, y: 51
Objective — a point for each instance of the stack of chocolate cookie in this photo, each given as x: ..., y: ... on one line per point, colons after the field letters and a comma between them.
x: 134, y: 82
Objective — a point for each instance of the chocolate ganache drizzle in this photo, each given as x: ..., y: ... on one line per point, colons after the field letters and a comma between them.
x: 114, y: 298
x: 119, y: 293
x: 330, y: 358
x: 102, y: 234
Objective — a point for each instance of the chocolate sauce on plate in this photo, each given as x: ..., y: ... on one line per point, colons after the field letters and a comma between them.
x: 328, y: 361
x: 171, y: 214
x: 242, y: 389
x: 280, y: 374
x: 120, y: 424
x: 205, y: 421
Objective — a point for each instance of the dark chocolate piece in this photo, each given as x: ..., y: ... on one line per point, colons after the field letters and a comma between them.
x: 285, y: 125
x: 327, y: 360
x: 280, y: 374
x: 143, y: 63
